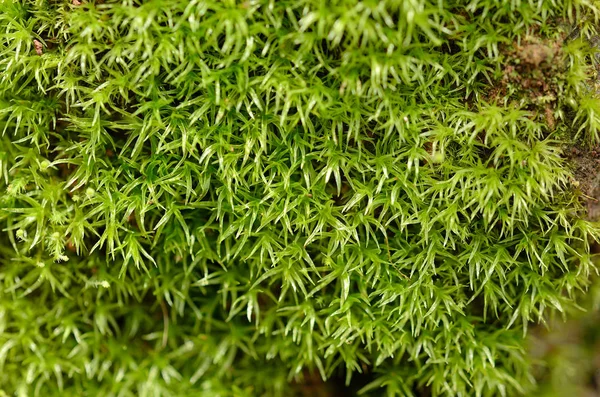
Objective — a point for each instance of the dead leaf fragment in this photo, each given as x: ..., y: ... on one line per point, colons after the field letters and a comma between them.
x: 550, y: 121
x: 38, y: 47
x: 535, y: 54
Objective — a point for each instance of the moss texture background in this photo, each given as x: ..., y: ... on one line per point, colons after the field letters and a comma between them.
x: 224, y: 198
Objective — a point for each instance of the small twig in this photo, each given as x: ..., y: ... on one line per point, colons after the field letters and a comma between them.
x: 165, y: 323
x: 588, y: 197
x: 387, y: 245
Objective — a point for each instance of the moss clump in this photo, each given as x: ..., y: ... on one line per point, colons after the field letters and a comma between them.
x: 219, y: 198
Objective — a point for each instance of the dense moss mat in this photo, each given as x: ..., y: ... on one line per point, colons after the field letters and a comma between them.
x: 221, y: 198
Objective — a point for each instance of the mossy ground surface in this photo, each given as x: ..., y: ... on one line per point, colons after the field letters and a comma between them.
x: 237, y: 198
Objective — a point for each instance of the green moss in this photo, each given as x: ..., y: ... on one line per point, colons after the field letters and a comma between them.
x: 217, y: 198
